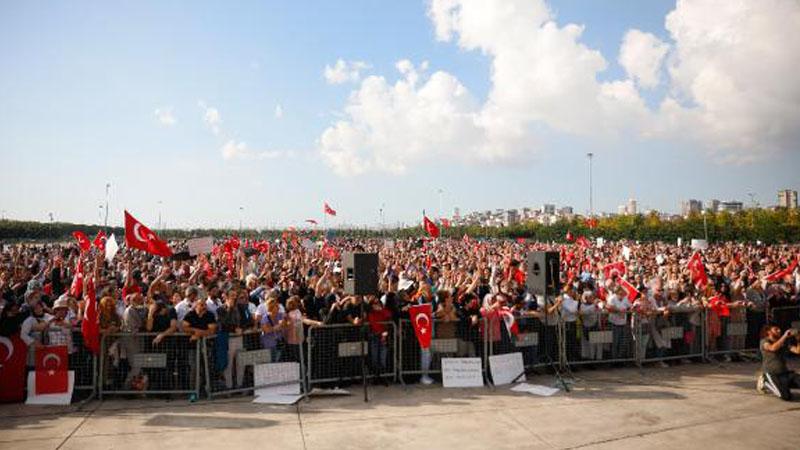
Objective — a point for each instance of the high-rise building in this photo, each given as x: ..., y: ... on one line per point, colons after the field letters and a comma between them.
x: 691, y: 206
x: 631, y: 208
x: 622, y: 210
x: 549, y: 209
x: 713, y: 205
x: 730, y: 206
x: 787, y: 198
x: 457, y: 213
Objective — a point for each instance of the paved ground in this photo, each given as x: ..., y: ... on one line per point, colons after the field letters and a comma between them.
x: 696, y: 406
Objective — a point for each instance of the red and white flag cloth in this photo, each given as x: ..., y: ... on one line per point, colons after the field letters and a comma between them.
x: 326, y: 208
x: 83, y: 241
x: 583, y: 242
x: 631, y: 290
x: 100, y: 241
x: 697, y: 270
x: 140, y: 237
x: 52, y: 370
x: 423, y: 325
x: 13, y: 359
x: 76, y: 287
x: 617, y: 268
x: 312, y: 221
x: 90, y: 326
x: 509, y: 321
x: 430, y: 227
x: 570, y: 238
x: 781, y: 274
x: 445, y: 223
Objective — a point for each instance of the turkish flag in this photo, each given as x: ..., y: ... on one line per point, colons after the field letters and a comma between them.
x: 719, y: 306
x: 76, y: 287
x: 140, y: 237
x: 421, y: 320
x: 509, y: 321
x: 90, y: 326
x: 617, y: 268
x: 781, y: 274
x: 83, y: 240
x: 52, y: 370
x: 312, y: 221
x: 632, y: 291
x: 697, y: 270
x: 430, y: 227
x: 329, y: 251
x: 445, y: 223
x: 100, y: 241
x: 583, y: 242
x: 13, y: 357
x: 328, y: 210
x: 570, y: 238
x: 591, y: 223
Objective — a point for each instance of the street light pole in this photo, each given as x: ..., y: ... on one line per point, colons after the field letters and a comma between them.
x: 241, y: 211
x: 440, y: 191
x: 705, y: 226
x: 590, y: 155
x: 159, y: 216
x: 108, y: 185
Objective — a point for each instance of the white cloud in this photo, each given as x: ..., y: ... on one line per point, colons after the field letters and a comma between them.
x: 239, y: 150
x: 344, y: 71
x: 164, y: 116
x: 641, y: 56
x: 278, y: 111
x: 211, y: 117
x: 730, y: 77
x: 733, y: 75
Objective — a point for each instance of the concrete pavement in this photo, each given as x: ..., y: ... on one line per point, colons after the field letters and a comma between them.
x: 693, y: 406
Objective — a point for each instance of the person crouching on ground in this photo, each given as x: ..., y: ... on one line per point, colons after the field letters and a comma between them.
x: 777, y: 376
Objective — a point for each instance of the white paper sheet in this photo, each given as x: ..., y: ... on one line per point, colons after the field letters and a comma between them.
x: 535, y: 389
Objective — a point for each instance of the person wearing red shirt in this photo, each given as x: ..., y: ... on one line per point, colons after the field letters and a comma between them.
x: 377, y: 318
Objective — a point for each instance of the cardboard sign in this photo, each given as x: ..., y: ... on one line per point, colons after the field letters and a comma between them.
x: 507, y: 368
x: 198, y: 246
x: 285, y: 376
x: 699, y: 244
x: 461, y: 372
x: 350, y: 349
x: 444, y: 345
x: 49, y: 399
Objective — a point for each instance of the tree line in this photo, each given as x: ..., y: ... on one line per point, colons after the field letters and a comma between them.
x: 768, y: 226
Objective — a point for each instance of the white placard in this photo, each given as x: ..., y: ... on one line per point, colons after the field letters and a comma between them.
x: 535, y: 389
x: 626, y: 252
x: 660, y: 259
x: 286, y: 375
x: 680, y: 242
x: 199, y: 246
x: 699, y: 244
x: 600, y: 242
x: 461, y: 372
x: 388, y: 244
x: 308, y: 244
x: 49, y: 399
x: 111, y: 247
x: 507, y: 368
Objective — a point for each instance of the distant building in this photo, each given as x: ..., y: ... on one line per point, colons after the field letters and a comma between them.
x: 731, y: 206
x: 632, y: 208
x: 565, y: 211
x: 622, y: 210
x: 548, y: 209
x: 510, y: 217
x: 713, y: 205
x: 787, y: 198
x: 457, y: 213
x: 692, y: 206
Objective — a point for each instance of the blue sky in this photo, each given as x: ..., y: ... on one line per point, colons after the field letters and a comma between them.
x: 81, y: 82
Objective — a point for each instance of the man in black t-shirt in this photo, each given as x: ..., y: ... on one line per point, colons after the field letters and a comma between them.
x: 199, y: 322
x: 778, y: 378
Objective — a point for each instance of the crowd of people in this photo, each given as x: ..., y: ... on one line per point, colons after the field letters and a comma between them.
x: 278, y: 291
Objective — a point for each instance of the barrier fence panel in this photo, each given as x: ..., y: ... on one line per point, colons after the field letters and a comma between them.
x: 677, y: 334
x: 735, y: 333
x: 597, y: 336
x: 141, y: 364
x: 231, y: 360
x: 456, y: 338
x: 534, y: 339
x: 84, y: 363
x: 342, y: 352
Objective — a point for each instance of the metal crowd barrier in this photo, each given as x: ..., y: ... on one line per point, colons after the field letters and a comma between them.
x: 342, y: 352
x: 231, y: 360
x: 677, y: 334
x: 134, y: 364
x: 84, y: 363
x: 537, y: 339
x: 786, y: 316
x: 598, y: 337
x: 457, y: 338
x: 735, y: 334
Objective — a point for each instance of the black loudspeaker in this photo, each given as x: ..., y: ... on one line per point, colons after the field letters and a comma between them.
x: 543, y: 273
x: 360, y: 273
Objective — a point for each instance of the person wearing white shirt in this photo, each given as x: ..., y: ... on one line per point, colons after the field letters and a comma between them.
x: 590, y: 319
x: 618, y: 306
x: 184, y: 306
x: 569, y: 315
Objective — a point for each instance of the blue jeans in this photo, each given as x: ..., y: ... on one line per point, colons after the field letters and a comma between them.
x: 378, y: 353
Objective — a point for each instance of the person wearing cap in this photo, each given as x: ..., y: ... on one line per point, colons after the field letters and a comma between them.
x: 59, y: 330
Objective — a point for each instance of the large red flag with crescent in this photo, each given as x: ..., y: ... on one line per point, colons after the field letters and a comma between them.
x: 617, y: 268
x: 140, y: 237
x: 326, y: 208
x: 83, y: 241
x: 13, y: 357
x: 76, y: 287
x: 430, y: 227
x: 100, y: 241
x: 631, y: 290
x: 421, y: 320
x: 697, y: 270
x: 52, y: 370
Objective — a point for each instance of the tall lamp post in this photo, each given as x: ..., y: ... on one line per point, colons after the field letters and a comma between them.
x: 159, y: 216
x: 241, y: 211
x: 705, y: 225
x: 108, y: 185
